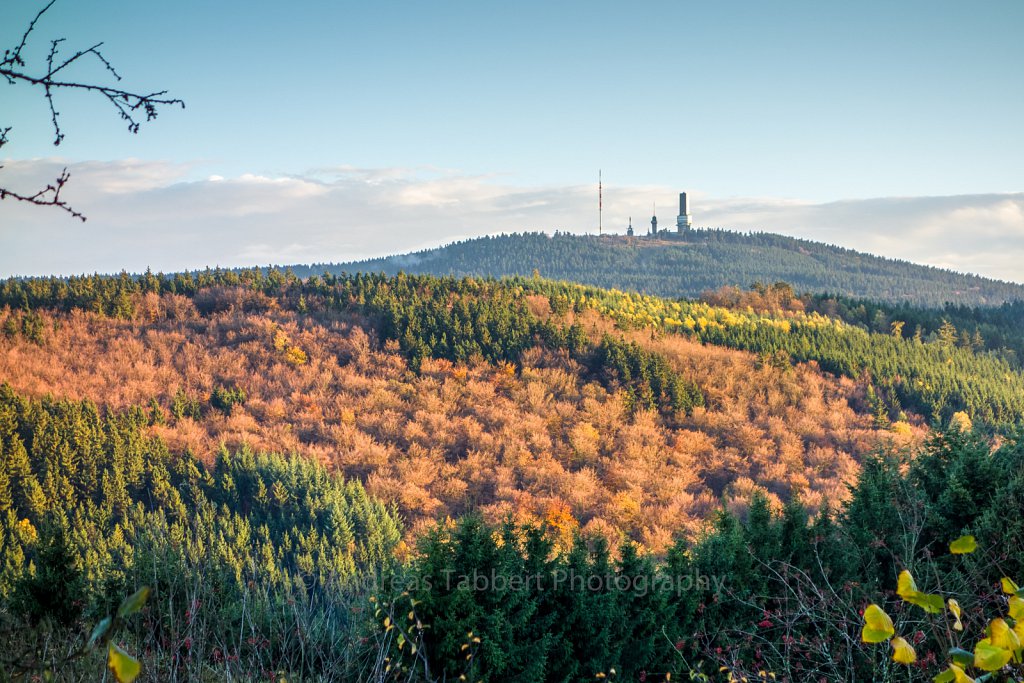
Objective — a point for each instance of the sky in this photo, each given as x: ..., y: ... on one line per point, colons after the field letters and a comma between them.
x: 330, y: 131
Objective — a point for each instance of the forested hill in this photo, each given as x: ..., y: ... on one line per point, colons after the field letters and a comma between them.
x: 438, y: 429
x: 707, y: 259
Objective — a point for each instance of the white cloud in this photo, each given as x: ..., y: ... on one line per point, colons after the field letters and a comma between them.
x: 975, y: 233
x: 152, y: 214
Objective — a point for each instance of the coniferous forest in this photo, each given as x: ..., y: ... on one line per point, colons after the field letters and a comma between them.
x: 253, y: 475
x: 694, y: 454
x: 688, y: 264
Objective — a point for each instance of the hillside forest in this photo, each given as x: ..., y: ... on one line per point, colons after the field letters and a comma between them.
x: 297, y: 467
x: 687, y: 264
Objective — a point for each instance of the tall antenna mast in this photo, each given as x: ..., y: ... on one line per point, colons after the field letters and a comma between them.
x: 600, y: 205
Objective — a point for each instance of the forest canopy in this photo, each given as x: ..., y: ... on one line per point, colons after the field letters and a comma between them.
x: 686, y: 265
x: 254, y: 447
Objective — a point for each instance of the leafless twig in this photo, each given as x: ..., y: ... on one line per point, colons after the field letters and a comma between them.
x: 48, y: 196
x: 132, y: 107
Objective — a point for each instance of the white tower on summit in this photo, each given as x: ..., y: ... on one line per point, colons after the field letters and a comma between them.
x: 683, y: 220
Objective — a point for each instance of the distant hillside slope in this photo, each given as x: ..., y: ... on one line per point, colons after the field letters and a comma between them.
x: 548, y: 401
x: 708, y: 259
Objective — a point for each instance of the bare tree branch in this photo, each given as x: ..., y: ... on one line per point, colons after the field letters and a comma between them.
x: 132, y: 107
x: 15, y: 57
x: 48, y: 196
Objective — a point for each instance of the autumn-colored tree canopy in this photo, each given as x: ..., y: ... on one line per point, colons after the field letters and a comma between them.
x: 242, y: 443
x: 447, y: 396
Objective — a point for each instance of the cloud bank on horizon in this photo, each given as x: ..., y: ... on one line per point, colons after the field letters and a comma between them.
x: 152, y: 214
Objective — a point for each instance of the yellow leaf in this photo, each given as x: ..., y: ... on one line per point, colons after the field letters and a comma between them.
x: 1016, y: 608
x: 877, y: 625
x: 1002, y: 636
x: 902, y: 652
x: 1009, y: 585
x: 989, y: 657
x: 963, y: 545
x: 905, y: 584
x: 954, y: 607
x: 959, y: 676
x: 124, y: 667
x: 906, y: 588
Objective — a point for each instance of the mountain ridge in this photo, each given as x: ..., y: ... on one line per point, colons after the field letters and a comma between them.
x: 688, y: 265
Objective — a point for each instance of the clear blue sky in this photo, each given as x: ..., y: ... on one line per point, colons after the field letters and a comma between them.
x: 815, y: 101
